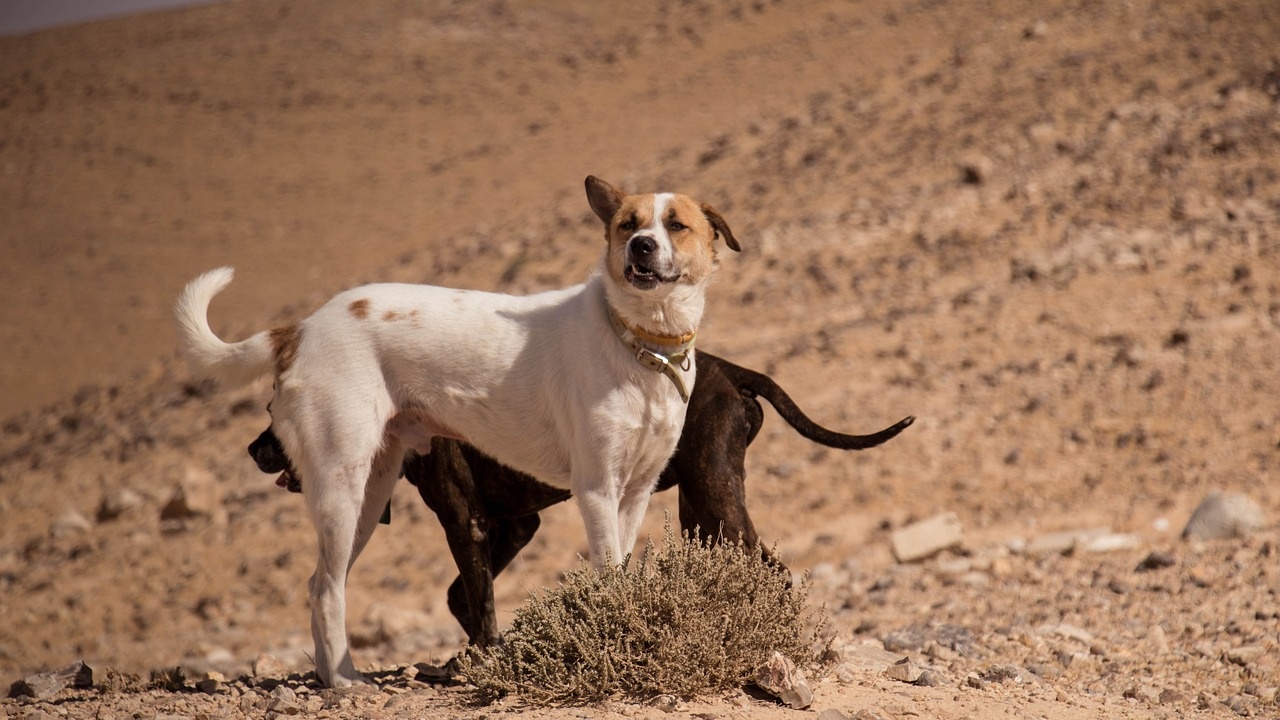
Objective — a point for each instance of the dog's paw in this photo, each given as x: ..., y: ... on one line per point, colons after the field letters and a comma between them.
x: 340, y: 682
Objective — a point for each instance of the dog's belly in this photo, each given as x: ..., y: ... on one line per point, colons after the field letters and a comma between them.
x: 535, y: 426
x: 482, y: 367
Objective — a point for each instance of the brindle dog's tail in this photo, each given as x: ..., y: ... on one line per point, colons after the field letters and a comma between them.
x: 753, y: 384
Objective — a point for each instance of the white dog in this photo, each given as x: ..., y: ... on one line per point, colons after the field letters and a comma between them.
x: 584, y: 388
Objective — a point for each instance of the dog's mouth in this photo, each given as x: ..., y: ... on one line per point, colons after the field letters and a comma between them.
x: 645, y: 277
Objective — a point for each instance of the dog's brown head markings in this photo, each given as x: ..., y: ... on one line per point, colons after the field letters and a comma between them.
x: 657, y: 239
x: 284, y: 346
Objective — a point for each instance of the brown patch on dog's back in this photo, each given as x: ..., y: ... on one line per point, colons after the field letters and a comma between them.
x: 284, y: 346
x: 390, y: 316
x: 360, y: 308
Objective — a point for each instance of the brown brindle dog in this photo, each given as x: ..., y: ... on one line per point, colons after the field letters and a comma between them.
x: 490, y: 512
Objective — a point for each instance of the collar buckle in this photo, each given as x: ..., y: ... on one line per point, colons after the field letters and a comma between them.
x: 655, y: 361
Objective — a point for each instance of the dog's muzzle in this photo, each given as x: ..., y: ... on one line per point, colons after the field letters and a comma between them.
x: 268, y: 454
x: 643, y: 269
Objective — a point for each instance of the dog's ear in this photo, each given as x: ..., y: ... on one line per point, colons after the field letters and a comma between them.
x: 722, y: 227
x: 605, y: 199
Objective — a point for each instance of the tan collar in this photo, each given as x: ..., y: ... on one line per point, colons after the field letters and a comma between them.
x: 666, y: 364
x: 652, y: 339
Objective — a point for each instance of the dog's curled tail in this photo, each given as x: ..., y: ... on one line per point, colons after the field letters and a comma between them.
x: 755, y: 384
x: 206, y: 353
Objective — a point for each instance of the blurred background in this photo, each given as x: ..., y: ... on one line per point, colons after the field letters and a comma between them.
x: 1047, y: 229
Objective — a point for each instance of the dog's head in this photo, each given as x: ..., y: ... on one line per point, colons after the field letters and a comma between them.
x: 657, y: 240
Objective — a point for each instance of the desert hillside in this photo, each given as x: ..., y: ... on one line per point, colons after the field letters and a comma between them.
x: 1047, y: 229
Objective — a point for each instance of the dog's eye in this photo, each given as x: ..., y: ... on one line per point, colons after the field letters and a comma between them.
x: 676, y: 226
x: 627, y: 225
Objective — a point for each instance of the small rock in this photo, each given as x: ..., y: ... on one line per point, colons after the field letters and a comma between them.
x: 955, y: 567
x: 931, y: 678
x: 208, y: 682
x: 872, y: 713
x: 905, y: 670
x: 1170, y: 696
x: 1037, y: 30
x: 269, y: 666
x: 284, y: 701
x: 1144, y: 693
x: 47, y: 684
x: 1048, y: 671
x: 868, y: 657
x: 832, y: 714
x: 667, y: 703
x: 1127, y: 260
x: 780, y: 677
x: 1004, y: 673
x: 117, y: 503
x: 70, y: 523
x: 284, y: 692
x: 922, y: 539
x: 197, y: 495
x: 1157, y: 643
x: 1065, y: 541
x: 1245, y: 655
x: 940, y: 652
x: 1110, y: 542
x: 976, y: 169
x: 1224, y: 515
x: 398, y: 701
x: 430, y: 673
x: 1156, y: 561
x: 927, y: 638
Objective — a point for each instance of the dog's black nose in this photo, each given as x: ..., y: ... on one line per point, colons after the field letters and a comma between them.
x: 643, y: 246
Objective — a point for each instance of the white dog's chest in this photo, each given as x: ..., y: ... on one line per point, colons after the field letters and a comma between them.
x: 652, y: 439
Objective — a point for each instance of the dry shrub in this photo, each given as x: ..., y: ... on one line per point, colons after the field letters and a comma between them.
x: 689, y: 618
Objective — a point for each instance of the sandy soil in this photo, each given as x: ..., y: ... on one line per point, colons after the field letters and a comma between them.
x: 1048, y: 231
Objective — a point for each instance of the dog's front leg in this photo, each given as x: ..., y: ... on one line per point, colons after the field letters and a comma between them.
x: 631, y: 514
x: 598, y: 503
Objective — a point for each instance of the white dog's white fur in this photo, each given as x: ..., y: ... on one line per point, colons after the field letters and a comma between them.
x: 541, y: 382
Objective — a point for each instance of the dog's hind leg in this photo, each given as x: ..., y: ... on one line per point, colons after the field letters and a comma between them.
x: 446, y: 477
x: 345, y: 502
x: 335, y: 506
x: 507, y: 537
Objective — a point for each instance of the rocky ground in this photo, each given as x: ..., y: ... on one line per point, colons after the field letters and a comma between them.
x: 1048, y: 231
